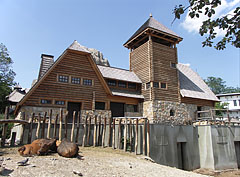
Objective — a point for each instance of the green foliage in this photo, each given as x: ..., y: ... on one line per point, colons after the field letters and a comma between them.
x: 217, y: 85
x: 229, y: 22
x: 219, y: 105
x: 9, y: 127
x: 6, y: 76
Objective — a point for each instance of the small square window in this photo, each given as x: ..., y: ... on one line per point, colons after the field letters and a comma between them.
x: 62, y: 78
x: 163, y: 85
x: 235, y: 102
x: 76, y: 80
x: 148, y: 85
x: 87, y: 82
x: 59, y: 102
x: 122, y: 84
x: 132, y: 85
x: 43, y: 101
x: 100, y: 105
x: 156, y: 84
x: 111, y: 82
x: 173, y: 65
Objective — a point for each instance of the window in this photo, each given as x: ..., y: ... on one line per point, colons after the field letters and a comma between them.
x: 156, y: 84
x: 131, y: 108
x: 238, y: 102
x: 43, y: 101
x: 122, y: 84
x: 87, y: 82
x: 57, y: 102
x: 132, y: 85
x: 235, y: 102
x: 148, y: 85
x: 112, y: 82
x: 173, y: 65
x: 171, y: 112
x: 62, y: 78
x: 163, y: 85
x: 76, y: 80
x: 100, y: 105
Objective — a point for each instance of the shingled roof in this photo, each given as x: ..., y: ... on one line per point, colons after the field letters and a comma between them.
x: 192, y: 85
x: 119, y: 74
x: 78, y: 47
x: 154, y: 24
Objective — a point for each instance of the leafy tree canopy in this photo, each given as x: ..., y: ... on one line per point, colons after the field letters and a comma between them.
x: 218, y: 86
x: 6, y: 75
x: 229, y: 23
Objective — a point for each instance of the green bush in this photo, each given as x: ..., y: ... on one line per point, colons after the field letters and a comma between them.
x: 9, y: 127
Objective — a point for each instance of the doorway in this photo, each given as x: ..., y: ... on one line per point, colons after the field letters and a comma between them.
x: 117, y: 109
x: 181, y: 151
x: 237, y: 150
x: 72, y: 106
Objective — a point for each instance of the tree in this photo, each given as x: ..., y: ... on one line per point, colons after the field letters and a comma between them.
x: 229, y: 23
x: 6, y: 76
x: 216, y: 84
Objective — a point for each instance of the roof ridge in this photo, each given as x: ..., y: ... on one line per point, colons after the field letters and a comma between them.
x: 115, y: 68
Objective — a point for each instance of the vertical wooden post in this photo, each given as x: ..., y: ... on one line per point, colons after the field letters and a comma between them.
x: 65, y: 124
x: 73, y: 126
x: 38, y: 126
x: 13, y: 138
x: 30, y: 129
x: 43, y: 125
x: 125, y: 135
x: 136, y: 137
x: 55, y: 127
x: 113, y: 135
x: 104, y: 132
x: 95, y: 131
x: 89, y: 130
x: 60, y: 125
x: 144, y: 137
x: 49, y: 124
x: 109, y: 132
x: 78, y: 126
x: 130, y: 134
x: 85, y: 131
x: 4, y: 130
x: 148, y: 139
x: 23, y: 128
x: 99, y: 129
x: 119, y: 134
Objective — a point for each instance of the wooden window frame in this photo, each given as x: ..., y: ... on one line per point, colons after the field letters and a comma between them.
x: 41, y: 99
x: 132, y: 83
x: 60, y: 104
x: 58, y: 75
x: 146, y: 85
x: 162, y: 87
x: 112, y: 80
x: 80, y: 80
x: 121, y: 82
x: 173, y: 63
x: 156, y: 83
x: 88, y: 79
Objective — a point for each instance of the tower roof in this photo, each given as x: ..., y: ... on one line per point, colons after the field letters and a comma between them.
x: 154, y: 25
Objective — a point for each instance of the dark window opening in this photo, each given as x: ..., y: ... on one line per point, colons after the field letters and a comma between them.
x: 122, y: 84
x: 43, y: 101
x: 156, y: 84
x: 76, y: 80
x: 173, y: 65
x: 235, y: 102
x: 132, y: 85
x: 163, y: 85
x: 112, y: 82
x: 87, y: 82
x: 171, y: 112
x: 135, y: 108
x: 148, y: 85
x: 62, y: 78
x: 100, y: 105
x: 59, y: 102
x: 199, y: 108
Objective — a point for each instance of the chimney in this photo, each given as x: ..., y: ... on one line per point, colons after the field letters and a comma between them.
x: 46, y: 63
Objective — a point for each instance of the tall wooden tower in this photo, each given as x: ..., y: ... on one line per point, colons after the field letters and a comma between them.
x: 153, y: 57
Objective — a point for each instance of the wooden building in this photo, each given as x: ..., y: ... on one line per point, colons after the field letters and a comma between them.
x: 155, y: 86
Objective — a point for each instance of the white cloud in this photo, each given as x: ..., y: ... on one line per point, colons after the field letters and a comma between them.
x: 192, y: 25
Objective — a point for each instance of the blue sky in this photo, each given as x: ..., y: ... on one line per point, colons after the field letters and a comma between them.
x: 30, y: 28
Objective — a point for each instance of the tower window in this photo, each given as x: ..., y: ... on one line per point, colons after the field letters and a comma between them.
x: 163, y: 85
x: 62, y: 78
x: 156, y: 84
x: 43, y: 101
x: 173, y: 65
x: 171, y: 112
x: 148, y: 85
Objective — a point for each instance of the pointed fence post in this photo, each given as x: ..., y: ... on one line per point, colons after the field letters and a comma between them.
x: 85, y: 131
x: 89, y: 130
x: 144, y: 138
x: 23, y: 128
x: 49, y: 124
x: 65, y: 124
x: 60, y: 125
x: 78, y: 126
x: 148, y: 139
x: 73, y: 126
x: 104, y: 132
x: 120, y: 134
x: 38, y: 126
x: 30, y: 129
x: 55, y: 127
x: 95, y: 132
x: 109, y: 132
x: 43, y: 125
x: 99, y: 129
x: 125, y: 136
x: 136, y: 137
x: 4, y: 130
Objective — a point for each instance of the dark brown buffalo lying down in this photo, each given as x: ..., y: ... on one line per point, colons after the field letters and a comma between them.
x: 67, y: 149
x: 38, y: 147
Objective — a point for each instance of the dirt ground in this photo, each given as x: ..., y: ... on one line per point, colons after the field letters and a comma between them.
x: 224, y: 173
x: 92, y: 162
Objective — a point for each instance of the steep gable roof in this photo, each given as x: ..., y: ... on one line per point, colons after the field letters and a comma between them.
x: 76, y: 47
x: 192, y: 85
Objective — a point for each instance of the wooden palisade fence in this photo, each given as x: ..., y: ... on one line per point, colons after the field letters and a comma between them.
x: 130, y: 134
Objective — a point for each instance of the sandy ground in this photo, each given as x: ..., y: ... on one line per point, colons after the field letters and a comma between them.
x: 92, y: 162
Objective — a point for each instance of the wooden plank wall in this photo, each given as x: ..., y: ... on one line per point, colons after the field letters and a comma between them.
x: 76, y: 65
x: 198, y: 102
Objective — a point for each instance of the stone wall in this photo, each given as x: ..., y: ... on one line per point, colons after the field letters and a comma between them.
x: 170, y: 112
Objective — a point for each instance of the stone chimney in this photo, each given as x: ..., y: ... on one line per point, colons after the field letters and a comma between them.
x: 46, y: 63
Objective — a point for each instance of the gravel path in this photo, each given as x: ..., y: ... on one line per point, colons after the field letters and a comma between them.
x: 94, y: 162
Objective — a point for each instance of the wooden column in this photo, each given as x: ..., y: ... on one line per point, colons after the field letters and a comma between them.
x: 78, y: 126
x: 23, y: 128
x: 136, y: 137
x: 55, y: 127
x: 60, y: 125
x: 30, y: 129
x: 4, y: 130
x: 43, y: 125
x: 73, y: 126
x: 49, y: 124
x: 38, y: 126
